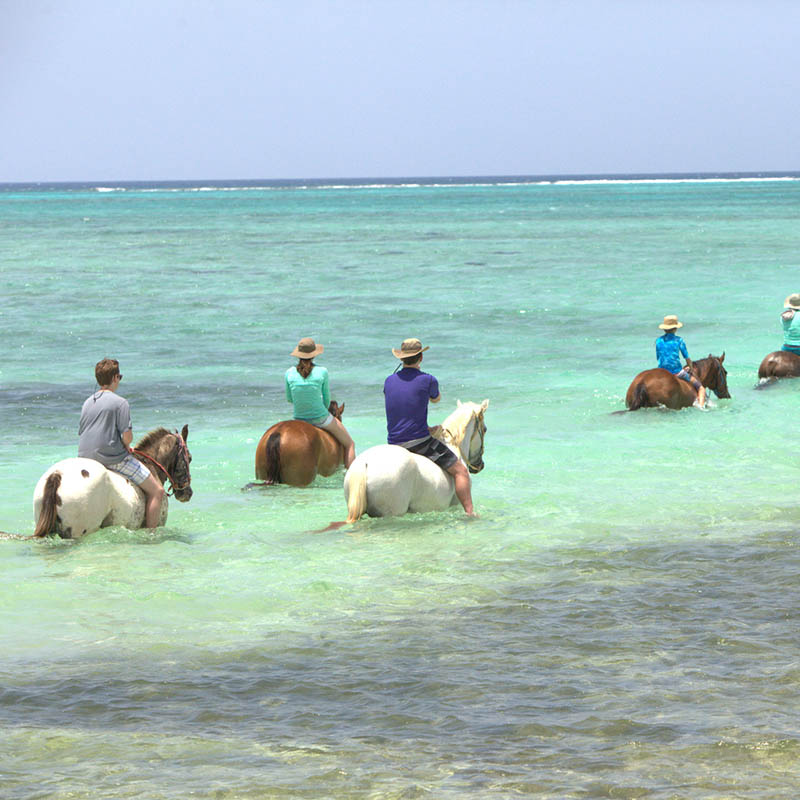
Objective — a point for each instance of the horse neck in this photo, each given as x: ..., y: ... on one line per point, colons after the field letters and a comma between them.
x: 159, y: 450
x: 463, y: 433
x: 704, y: 367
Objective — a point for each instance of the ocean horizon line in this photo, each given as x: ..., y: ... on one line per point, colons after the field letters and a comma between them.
x: 221, y: 184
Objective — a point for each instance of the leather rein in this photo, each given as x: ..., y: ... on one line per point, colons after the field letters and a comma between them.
x: 182, y: 448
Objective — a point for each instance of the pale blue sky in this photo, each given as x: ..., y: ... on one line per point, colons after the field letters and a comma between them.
x: 192, y: 89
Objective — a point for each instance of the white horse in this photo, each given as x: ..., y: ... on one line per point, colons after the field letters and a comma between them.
x: 77, y: 496
x: 388, y: 480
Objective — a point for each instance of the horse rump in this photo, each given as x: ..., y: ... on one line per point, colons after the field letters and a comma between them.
x: 640, y: 398
x: 48, y: 519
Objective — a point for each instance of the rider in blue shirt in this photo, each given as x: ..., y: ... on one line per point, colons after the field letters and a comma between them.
x: 669, y: 349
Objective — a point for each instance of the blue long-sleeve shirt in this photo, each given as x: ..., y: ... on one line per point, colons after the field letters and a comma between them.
x: 669, y: 349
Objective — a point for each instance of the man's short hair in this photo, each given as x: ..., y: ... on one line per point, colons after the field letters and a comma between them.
x: 411, y: 360
x: 106, y: 370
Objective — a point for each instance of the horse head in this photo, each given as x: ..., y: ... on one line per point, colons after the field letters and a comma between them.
x: 710, y: 372
x: 466, y: 429
x: 336, y: 410
x: 181, y: 458
x: 168, y: 454
x: 719, y: 382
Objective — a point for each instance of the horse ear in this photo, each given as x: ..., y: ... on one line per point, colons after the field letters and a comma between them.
x: 485, y: 404
x: 722, y: 357
x: 341, y: 409
x: 185, y: 433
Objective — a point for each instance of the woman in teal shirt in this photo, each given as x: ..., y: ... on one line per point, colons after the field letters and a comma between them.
x: 307, y: 389
x: 791, y: 324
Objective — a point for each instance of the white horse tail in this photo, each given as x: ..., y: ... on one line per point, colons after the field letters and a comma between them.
x: 357, y: 491
x: 50, y: 501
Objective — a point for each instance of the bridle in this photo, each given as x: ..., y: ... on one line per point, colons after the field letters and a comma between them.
x: 184, y: 452
x: 474, y: 465
x: 480, y: 431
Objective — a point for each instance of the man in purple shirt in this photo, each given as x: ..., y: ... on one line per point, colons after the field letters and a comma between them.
x: 407, y: 393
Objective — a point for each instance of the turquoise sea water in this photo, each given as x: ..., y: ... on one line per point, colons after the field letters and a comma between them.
x: 621, y: 622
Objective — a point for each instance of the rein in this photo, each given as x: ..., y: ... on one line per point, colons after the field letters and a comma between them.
x: 182, y: 447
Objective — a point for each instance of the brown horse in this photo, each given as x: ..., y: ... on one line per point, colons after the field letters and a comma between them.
x: 659, y: 387
x: 294, y: 452
x: 780, y: 364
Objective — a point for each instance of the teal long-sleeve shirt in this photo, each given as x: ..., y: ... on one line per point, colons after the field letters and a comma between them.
x: 310, y: 396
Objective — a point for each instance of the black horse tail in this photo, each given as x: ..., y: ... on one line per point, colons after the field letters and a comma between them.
x: 273, y: 458
x: 640, y: 397
x: 50, y: 502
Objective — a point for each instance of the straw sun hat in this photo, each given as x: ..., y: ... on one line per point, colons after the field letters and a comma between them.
x: 670, y: 323
x: 307, y: 348
x: 793, y: 301
x: 409, y: 348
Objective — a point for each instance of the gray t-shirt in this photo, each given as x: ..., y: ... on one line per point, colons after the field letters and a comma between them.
x: 105, y: 416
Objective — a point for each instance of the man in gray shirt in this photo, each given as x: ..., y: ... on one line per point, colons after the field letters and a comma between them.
x: 105, y: 434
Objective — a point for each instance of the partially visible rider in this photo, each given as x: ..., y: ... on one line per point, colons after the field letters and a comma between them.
x: 669, y: 349
x: 308, y: 391
x: 791, y: 324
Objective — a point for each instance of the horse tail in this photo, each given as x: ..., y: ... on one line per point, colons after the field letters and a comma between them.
x: 50, y: 502
x: 273, y: 458
x: 357, y: 494
x: 640, y: 397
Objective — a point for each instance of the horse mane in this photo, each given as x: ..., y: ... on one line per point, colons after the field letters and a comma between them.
x: 454, y: 427
x: 152, y: 439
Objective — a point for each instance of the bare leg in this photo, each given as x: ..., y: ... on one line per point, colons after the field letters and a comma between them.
x: 339, y: 432
x: 701, y: 395
x: 155, y: 497
x: 463, y: 487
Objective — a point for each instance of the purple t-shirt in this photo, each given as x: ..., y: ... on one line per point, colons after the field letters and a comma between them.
x: 407, y: 393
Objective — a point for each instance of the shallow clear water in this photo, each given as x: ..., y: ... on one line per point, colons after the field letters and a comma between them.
x: 621, y: 621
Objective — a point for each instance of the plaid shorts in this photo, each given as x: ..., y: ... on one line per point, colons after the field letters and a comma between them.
x: 132, y: 469
x: 436, y: 450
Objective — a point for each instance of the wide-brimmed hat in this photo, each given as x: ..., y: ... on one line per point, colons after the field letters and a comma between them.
x: 793, y: 301
x: 409, y: 349
x: 307, y: 348
x: 670, y: 323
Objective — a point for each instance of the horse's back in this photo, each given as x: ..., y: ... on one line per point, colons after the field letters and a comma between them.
x: 398, y: 481
x: 293, y: 451
x: 780, y: 364
x: 658, y: 387
x: 92, y: 497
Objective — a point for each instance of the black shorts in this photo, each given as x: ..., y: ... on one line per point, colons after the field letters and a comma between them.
x: 436, y: 451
